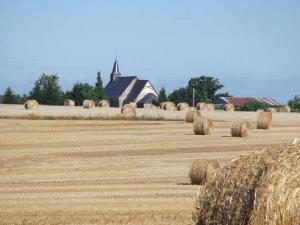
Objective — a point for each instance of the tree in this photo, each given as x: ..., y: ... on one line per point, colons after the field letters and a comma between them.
x: 295, y: 104
x: 99, y: 91
x: 47, y: 91
x: 162, y: 96
x: 80, y: 92
x: 9, y: 97
x: 225, y: 94
x: 205, y: 87
x: 181, y: 95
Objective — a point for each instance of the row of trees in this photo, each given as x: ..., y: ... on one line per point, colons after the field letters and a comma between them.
x: 205, y: 89
x: 47, y: 91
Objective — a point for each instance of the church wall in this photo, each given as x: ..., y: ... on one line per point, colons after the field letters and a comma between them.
x: 126, y: 92
x: 146, y: 90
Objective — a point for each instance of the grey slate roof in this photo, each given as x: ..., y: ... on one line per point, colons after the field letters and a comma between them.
x: 116, y: 88
x: 136, y: 90
x: 115, y: 69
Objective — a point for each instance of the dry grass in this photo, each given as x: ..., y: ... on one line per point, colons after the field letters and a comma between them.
x: 113, y: 172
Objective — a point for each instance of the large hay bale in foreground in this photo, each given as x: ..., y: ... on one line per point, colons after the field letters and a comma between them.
x: 264, y: 120
x: 285, y: 108
x: 31, y: 104
x: 170, y: 106
x: 229, y: 107
x: 229, y: 197
x: 88, y: 104
x: 104, y: 104
x: 128, y: 111
x: 277, y: 198
x: 69, y: 102
x: 241, y: 129
x: 192, y: 115
x: 202, y: 126
x: 202, y: 171
x: 183, y: 106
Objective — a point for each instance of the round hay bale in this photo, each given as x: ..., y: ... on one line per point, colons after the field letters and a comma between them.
x: 272, y: 110
x: 202, y: 126
x: 240, y: 129
x: 264, y: 120
x: 162, y: 105
x: 104, y: 103
x: 201, y: 106
x: 88, y: 104
x: 69, y: 102
x: 202, y: 171
x: 31, y: 104
x: 192, y: 115
x: 229, y: 197
x: 277, y: 198
x: 170, y: 106
x: 229, y: 107
x: 285, y: 108
x: 183, y: 106
x: 128, y: 111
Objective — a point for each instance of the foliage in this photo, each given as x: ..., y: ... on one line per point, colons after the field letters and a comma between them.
x: 205, y: 90
x: 47, y: 91
x: 99, y: 90
x: 162, y: 96
x: 295, y: 104
x: 254, y: 106
x: 225, y: 94
x: 80, y: 92
x: 10, y: 97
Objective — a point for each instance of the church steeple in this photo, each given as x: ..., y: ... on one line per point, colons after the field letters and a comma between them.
x: 115, y: 71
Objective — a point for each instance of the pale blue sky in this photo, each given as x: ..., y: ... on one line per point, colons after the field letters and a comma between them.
x: 252, y: 46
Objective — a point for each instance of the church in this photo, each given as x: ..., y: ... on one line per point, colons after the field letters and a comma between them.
x: 122, y: 90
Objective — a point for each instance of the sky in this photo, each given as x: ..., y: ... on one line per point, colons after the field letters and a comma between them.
x: 252, y: 47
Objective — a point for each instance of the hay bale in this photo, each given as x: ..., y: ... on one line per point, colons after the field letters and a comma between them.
x: 264, y: 120
x: 202, y: 126
x: 192, y: 115
x: 240, y: 129
x: 201, y: 106
x: 162, y: 105
x: 202, y: 171
x: 272, y: 110
x: 183, y: 106
x: 170, y: 106
x: 31, y: 104
x: 210, y: 107
x: 229, y: 197
x: 285, y: 108
x: 229, y: 107
x: 88, y: 104
x: 128, y: 111
x: 104, y: 103
x: 277, y: 197
x: 69, y: 102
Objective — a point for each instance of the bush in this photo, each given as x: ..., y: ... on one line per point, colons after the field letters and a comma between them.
x: 295, y: 104
x: 254, y: 106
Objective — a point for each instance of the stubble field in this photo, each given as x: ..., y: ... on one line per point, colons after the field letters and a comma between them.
x: 113, y: 172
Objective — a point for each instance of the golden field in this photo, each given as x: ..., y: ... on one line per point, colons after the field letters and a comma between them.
x: 115, y: 172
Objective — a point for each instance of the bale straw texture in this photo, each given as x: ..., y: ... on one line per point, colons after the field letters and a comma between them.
x: 88, y: 104
x: 264, y: 120
x: 31, y: 104
x: 192, y: 115
x: 202, y: 171
x: 229, y: 107
x: 202, y: 126
x: 229, y: 197
x: 69, y: 102
x: 277, y: 199
x: 241, y: 129
x: 170, y: 106
x: 183, y: 106
x: 104, y: 104
x: 128, y: 111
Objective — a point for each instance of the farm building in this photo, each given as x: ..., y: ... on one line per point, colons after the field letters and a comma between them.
x: 121, y: 90
x: 240, y: 101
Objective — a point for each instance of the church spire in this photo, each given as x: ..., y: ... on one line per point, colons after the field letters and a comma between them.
x: 115, y: 71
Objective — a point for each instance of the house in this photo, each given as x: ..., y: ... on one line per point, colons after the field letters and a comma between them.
x: 240, y: 101
x: 121, y: 90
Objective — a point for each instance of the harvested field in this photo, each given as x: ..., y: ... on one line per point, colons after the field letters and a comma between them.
x: 115, y: 172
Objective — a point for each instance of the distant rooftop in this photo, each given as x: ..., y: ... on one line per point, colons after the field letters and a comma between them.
x: 239, y: 101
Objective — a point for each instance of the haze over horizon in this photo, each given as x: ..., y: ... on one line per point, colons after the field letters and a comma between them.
x: 252, y: 47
